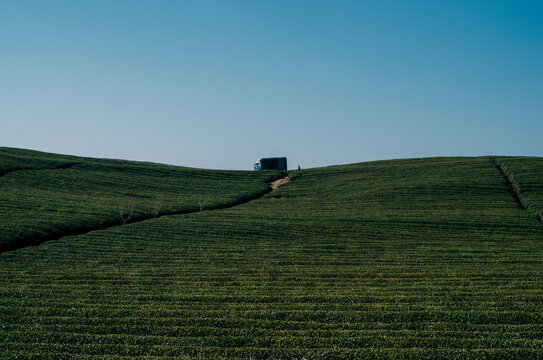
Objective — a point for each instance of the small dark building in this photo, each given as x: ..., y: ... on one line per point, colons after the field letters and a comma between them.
x: 274, y: 163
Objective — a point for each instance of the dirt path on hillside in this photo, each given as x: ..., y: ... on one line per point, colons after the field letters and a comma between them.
x: 274, y: 185
x: 115, y: 223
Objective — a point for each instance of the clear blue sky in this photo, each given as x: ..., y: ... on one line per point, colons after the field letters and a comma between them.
x: 218, y: 84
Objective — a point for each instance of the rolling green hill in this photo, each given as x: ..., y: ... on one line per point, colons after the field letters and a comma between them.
x: 408, y: 259
x: 45, y: 196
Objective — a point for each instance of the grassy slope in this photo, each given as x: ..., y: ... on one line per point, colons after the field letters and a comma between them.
x: 427, y: 258
x: 42, y: 201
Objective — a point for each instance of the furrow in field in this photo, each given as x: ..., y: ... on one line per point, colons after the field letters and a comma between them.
x: 4, y: 172
x: 515, y: 185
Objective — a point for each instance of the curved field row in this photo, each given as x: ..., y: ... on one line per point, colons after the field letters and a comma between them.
x: 525, y: 178
x: 18, y: 159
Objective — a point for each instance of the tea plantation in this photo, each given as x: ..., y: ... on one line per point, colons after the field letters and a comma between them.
x: 405, y: 259
x: 45, y: 196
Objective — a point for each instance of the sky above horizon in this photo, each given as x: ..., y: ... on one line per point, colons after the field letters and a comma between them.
x: 219, y: 84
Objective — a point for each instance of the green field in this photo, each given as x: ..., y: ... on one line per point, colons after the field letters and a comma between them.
x: 405, y: 259
x: 45, y: 196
